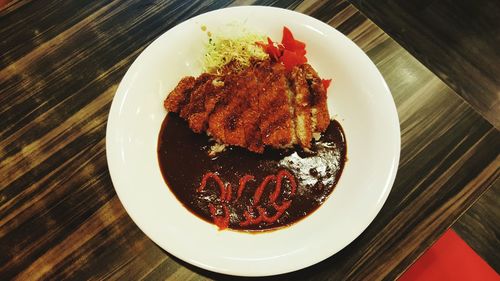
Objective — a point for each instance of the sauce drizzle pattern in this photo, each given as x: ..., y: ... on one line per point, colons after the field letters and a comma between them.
x: 226, y: 193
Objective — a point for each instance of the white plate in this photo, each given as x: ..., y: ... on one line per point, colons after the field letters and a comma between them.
x: 358, y: 97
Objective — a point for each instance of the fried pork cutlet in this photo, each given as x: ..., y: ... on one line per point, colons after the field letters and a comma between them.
x: 262, y: 105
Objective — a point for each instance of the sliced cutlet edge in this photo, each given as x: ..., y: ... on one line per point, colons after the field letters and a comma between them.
x: 216, y: 123
x: 234, y: 126
x: 179, y: 96
x: 320, y: 114
x: 193, y: 102
x: 276, y: 120
x: 291, y: 108
x: 194, y: 112
x: 303, y: 120
x: 251, y: 116
x: 223, y: 120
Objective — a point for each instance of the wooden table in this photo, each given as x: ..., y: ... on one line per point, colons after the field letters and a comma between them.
x: 60, y: 64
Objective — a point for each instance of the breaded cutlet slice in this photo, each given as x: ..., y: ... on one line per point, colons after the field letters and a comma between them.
x: 256, y: 112
x: 225, y: 123
x: 251, y: 114
x: 320, y: 115
x: 194, y: 111
x: 302, y: 104
x: 179, y: 96
x: 276, y: 124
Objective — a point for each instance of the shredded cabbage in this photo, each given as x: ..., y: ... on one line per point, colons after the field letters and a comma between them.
x: 222, y: 50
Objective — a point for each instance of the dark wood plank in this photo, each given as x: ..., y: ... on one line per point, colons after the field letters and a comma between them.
x: 59, y: 215
x: 457, y: 40
x: 479, y: 226
x: 36, y: 32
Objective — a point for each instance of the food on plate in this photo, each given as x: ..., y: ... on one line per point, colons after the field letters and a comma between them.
x: 240, y: 51
x: 279, y: 101
x: 249, y: 144
x: 261, y: 105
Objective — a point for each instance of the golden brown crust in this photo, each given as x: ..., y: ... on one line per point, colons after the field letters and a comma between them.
x: 275, y: 118
x: 263, y: 105
x: 303, y: 101
x: 180, y: 95
x: 319, y: 98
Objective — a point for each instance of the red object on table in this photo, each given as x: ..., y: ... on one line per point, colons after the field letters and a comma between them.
x: 4, y: 3
x: 450, y: 258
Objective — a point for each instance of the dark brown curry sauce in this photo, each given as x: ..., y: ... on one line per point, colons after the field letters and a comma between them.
x: 184, y: 160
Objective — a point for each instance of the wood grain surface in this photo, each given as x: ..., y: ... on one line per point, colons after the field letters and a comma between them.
x: 61, y: 62
x: 480, y: 228
x: 458, y: 40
